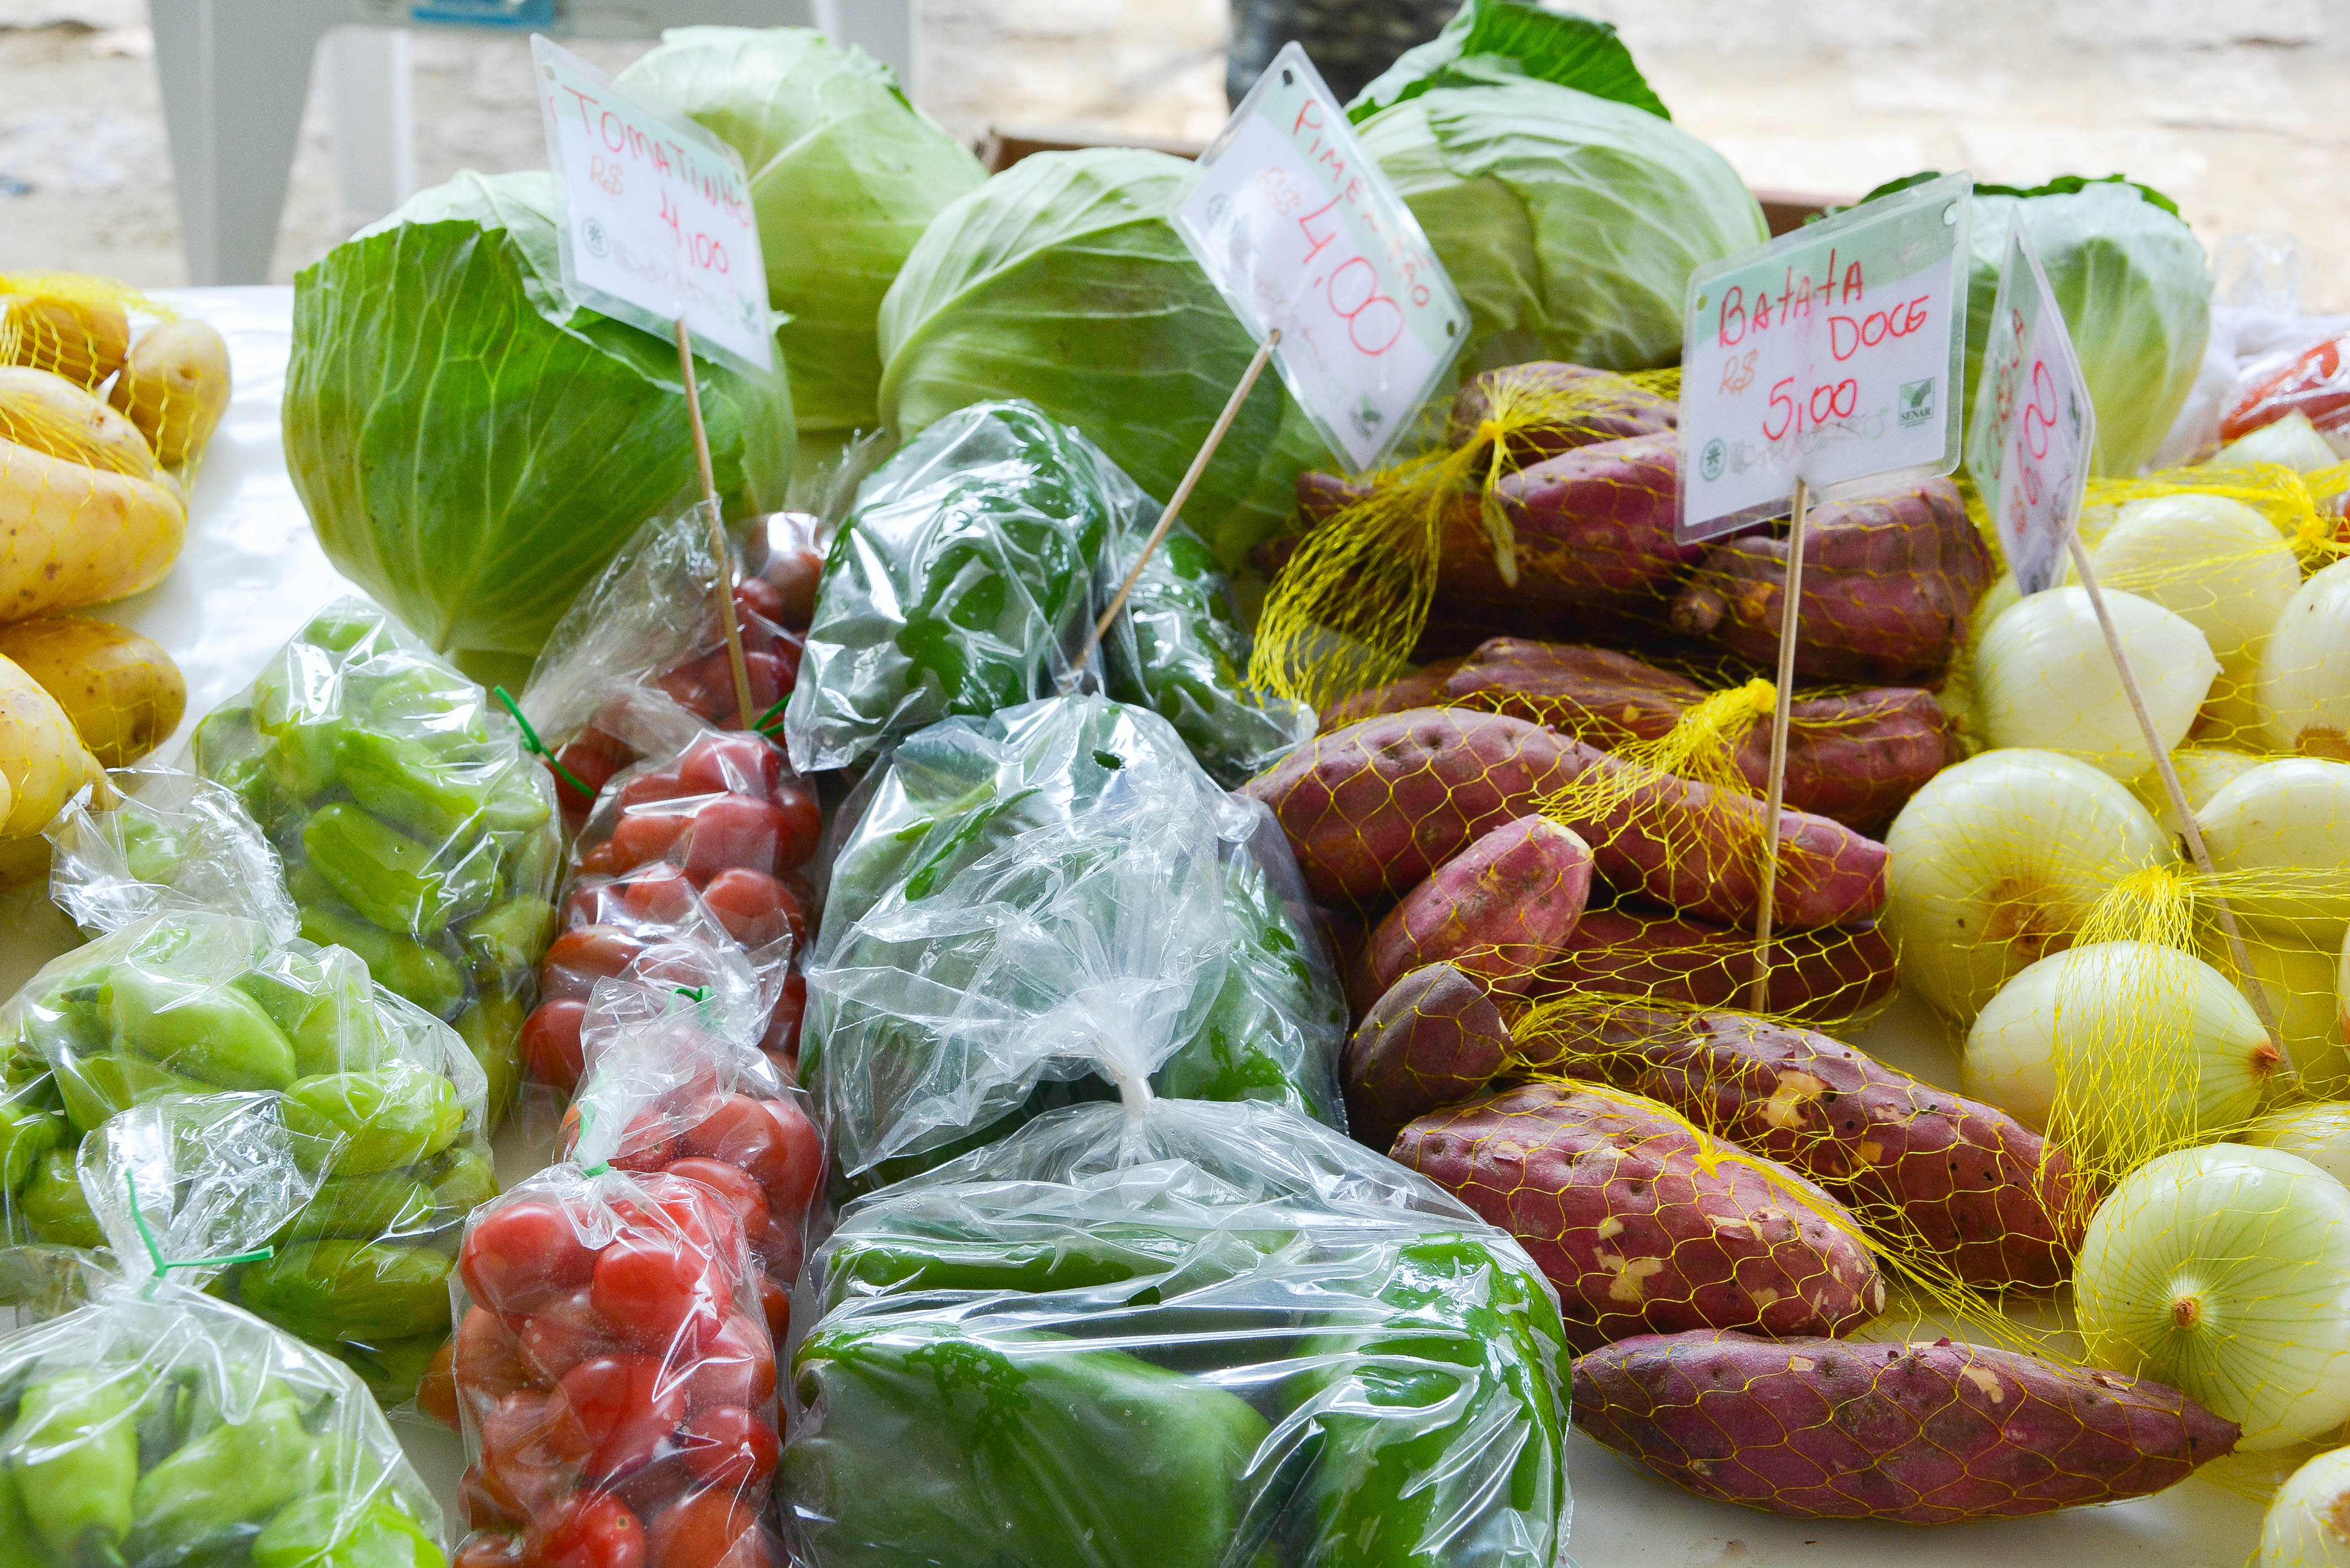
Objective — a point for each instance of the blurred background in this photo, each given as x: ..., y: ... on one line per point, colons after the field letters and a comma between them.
x: 2231, y: 107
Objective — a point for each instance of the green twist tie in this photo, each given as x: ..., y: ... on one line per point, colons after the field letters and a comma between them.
x: 155, y: 1250
x: 532, y: 745
x: 772, y: 718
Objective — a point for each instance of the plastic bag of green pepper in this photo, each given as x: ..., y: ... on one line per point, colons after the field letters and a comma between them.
x: 416, y: 831
x: 1019, y: 886
x: 159, y: 1426
x: 185, y: 999
x: 1175, y: 1335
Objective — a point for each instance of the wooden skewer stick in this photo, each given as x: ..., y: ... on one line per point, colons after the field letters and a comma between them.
x: 1789, y: 614
x: 724, y: 590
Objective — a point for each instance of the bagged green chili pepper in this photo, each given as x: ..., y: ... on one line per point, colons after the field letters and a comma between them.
x: 415, y: 829
x: 387, y: 1103
x: 159, y: 1426
x: 1167, y: 1333
x: 1021, y: 888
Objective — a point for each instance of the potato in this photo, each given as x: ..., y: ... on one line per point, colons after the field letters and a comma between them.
x: 174, y: 387
x: 1499, y: 909
x: 72, y: 534
x: 122, y: 691
x: 1645, y: 1223
x: 1434, y: 1039
x: 41, y: 756
x: 84, y: 341
x: 50, y: 414
x: 1912, y: 1434
x: 1822, y: 975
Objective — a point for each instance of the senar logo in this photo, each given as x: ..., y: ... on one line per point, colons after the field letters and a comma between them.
x: 1916, y: 402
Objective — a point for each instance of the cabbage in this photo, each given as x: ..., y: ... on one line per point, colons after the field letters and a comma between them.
x: 844, y: 175
x: 1569, y: 223
x: 2130, y: 279
x: 1062, y: 282
x: 471, y: 447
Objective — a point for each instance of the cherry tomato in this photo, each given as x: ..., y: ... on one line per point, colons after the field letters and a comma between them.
x: 601, y: 861
x: 733, y: 1184
x: 802, y: 822
x: 737, y: 1366
x: 781, y: 1040
x: 733, y: 830
x: 659, y: 893
x: 521, y: 1255
x: 780, y: 1258
x: 489, y: 1552
x: 791, y: 1191
x: 731, y: 763
x: 532, y: 1448
x: 592, y: 758
x: 651, y: 789
x: 564, y: 1333
x: 582, y: 956
x: 776, y: 1303
x: 649, y: 1144
x: 753, y: 906
x: 551, y: 1053
x: 592, y: 1531
x: 728, y: 1447
x: 643, y: 838
x: 756, y: 596
x: 485, y: 1360
x: 707, y: 1531
x: 661, y: 1292
x: 626, y: 1411
x: 436, y: 1391
x: 794, y: 575
x: 743, y: 1132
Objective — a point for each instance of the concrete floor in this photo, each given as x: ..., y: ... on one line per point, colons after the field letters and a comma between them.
x: 2233, y: 107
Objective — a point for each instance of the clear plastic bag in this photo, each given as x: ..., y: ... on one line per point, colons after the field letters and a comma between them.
x: 614, y: 1375
x: 1025, y: 888
x: 415, y: 830
x: 188, y: 1000
x: 1181, y: 1336
x: 158, y: 1426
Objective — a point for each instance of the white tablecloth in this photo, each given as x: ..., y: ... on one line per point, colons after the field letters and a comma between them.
x: 252, y: 574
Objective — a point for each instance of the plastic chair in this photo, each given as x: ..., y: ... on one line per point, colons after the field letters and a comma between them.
x: 235, y: 74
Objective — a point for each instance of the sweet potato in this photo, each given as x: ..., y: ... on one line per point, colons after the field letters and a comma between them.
x: 1645, y: 1223
x: 1595, y: 694
x: 1696, y: 848
x: 1553, y: 407
x: 1499, y: 909
x: 1434, y: 1039
x: 1423, y: 688
x: 1857, y: 757
x: 1821, y: 976
x: 1889, y: 581
x: 1971, y: 1183
x: 1913, y: 1434
x: 1373, y: 808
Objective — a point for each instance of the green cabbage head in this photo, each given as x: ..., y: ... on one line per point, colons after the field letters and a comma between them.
x: 1569, y: 223
x: 845, y: 175
x: 473, y: 448
x: 1062, y: 281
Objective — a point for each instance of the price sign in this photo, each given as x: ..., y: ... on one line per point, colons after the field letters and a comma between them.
x: 2034, y: 426
x: 1831, y: 355
x: 658, y: 223
x: 1301, y: 232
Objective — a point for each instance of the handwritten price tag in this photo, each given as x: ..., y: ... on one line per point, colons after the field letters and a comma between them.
x: 1831, y: 355
x: 1301, y: 231
x: 2035, y: 425
x: 657, y: 221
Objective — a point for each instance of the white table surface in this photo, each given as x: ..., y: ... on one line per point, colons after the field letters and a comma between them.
x: 252, y: 572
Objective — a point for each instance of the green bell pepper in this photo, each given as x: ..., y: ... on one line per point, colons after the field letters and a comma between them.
x: 19, y: 1542
x: 391, y: 1368
x: 356, y: 1124
x: 325, y: 1010
x: 491, y: 1029
x: 399, y: 965
x: 509, y: 939
x: 53, y: 1206
x: 340, y: 628
x: 936, y: 1446
x: 328, y: 1531
x: 412, y: 786
x: 214, y: 1033
x: 361, y: 1291
x: 462, y: 1181
x: 94, y: 1088
x: 219, y: 1486
x: 377, y: 1208
x: 74, y: 1455
x: 26, y: 1133
x: 389, y: 878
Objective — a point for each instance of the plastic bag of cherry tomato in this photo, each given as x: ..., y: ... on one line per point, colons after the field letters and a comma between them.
x: 2316, y: 383
x: 615, y: 1376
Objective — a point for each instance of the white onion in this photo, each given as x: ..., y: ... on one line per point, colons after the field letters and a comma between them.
x: 1996, y: 863
x: 2304, y: 682
x: 2284, y: 828
x: 2202, y: 771
x: 2319, y: 1132
x: 2300, y: 980
x: 2288, y: 443
x: 2224, y: 1272
x: 2152, y: 1046
x: 2210, y: 559
x: 2044, y: 677
x: 2308, y: 1525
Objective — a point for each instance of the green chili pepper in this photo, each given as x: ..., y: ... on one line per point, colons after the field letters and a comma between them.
x: 217, y: 1034
x: 94, y: 1088
x: 411, y: 696
x: 324, y: 1006
x: 298, y: 754
x: 462, y: 1180
x: 327, y: 1531
x: 412, y: 786
x: 400, y: 966
x: 391, y: 1368
x: 26, y: 1133
x: 19, y: 1543
x: 74, y: 1453
x: 370, y: 1208
x: 217, y: 1487
x: 516, y: 804
x: 340, y: 627
x: 509, y: 939
x: 389, y: 877
x: 356, y: 1124
x: 490, y: 1028
x: 55, y: 1207
x: 363, y: 1291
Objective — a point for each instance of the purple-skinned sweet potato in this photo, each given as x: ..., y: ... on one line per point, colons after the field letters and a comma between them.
x: 1856, y: 757
x: 1498, y: 911
x: 1645, y: 1223
x: 1434, y: 1039
x: 1821, y: 976
x: 1423, y: 688
x: 1911, y: 1434
x: 1977, y: 1188
x: 1373, y: 808
x: 1550, y: 406
x: 1889, y: 581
